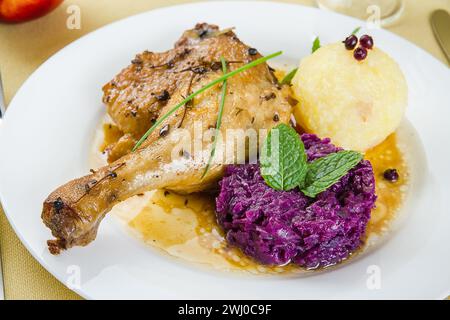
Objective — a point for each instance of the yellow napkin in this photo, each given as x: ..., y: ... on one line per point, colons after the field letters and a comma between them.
x: 25, y: 46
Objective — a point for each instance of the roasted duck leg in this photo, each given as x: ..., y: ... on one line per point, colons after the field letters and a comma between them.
x: 139, y: 95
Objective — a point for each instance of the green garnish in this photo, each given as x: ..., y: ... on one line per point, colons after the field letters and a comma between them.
x: 206, y: 87
x: 284, y: 165
x: 288, y: 77
x: 283, y: 159
x: 326, y: 171
x: 219, y: 116
x: 356, y: 30
x: 316, y: 45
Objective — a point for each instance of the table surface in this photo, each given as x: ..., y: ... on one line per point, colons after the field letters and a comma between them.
x: 2, y: 106
x: 24, y: 47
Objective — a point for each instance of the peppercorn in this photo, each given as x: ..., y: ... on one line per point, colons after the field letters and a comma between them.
x: 391, y: 175
x: 276, y: 117
x: 252, y: 51
x: 360, y: 53
x: 366, y: 41
x: 163, y: 96
x: 350, y: 42
x: 58, y: 204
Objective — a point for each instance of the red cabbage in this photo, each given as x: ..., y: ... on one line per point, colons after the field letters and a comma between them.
x: 279, y: 227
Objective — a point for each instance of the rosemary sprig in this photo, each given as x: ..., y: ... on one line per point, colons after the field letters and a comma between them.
x: 206, y: 87
x: 219, y: 116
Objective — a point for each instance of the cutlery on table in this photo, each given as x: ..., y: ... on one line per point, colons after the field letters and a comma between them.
x: 2, y: 100
x: 440, y: 22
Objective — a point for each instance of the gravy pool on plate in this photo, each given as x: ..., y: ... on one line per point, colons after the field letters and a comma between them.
x: 185, y: 227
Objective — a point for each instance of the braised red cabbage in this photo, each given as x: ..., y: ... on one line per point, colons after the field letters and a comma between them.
x: 279, y: 227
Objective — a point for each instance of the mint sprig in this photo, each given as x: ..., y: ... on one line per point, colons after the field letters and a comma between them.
x: 284, y: 164
x: 283, y: 159
x: 326, y: 171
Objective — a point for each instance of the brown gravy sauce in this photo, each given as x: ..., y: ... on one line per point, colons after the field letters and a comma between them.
x: 390, y: 194
x: 111, y: 134
x: 185, y: 227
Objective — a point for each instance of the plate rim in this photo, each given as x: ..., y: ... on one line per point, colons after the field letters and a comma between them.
x: 92, y: 33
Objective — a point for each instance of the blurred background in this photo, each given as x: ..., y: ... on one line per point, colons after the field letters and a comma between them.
x: 33, y: 30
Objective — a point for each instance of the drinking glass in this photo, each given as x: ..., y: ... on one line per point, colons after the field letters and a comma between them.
x: 386, y: 11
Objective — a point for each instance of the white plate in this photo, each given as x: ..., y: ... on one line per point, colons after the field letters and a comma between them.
x: 48, y: 130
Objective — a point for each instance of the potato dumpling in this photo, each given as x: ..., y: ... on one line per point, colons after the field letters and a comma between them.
x: 355, y: 103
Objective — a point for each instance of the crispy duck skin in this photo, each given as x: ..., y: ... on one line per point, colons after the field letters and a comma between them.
x: 154, y: 83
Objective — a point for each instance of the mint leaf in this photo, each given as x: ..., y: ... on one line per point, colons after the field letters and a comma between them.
x: 356, y: 30
x: 288, y: 77
x: 316, y: 45
x: 326, y: 171
x: 283, y: 159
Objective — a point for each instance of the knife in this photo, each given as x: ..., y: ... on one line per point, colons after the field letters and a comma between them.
x: 2, y: 101
x: 440, y: 22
